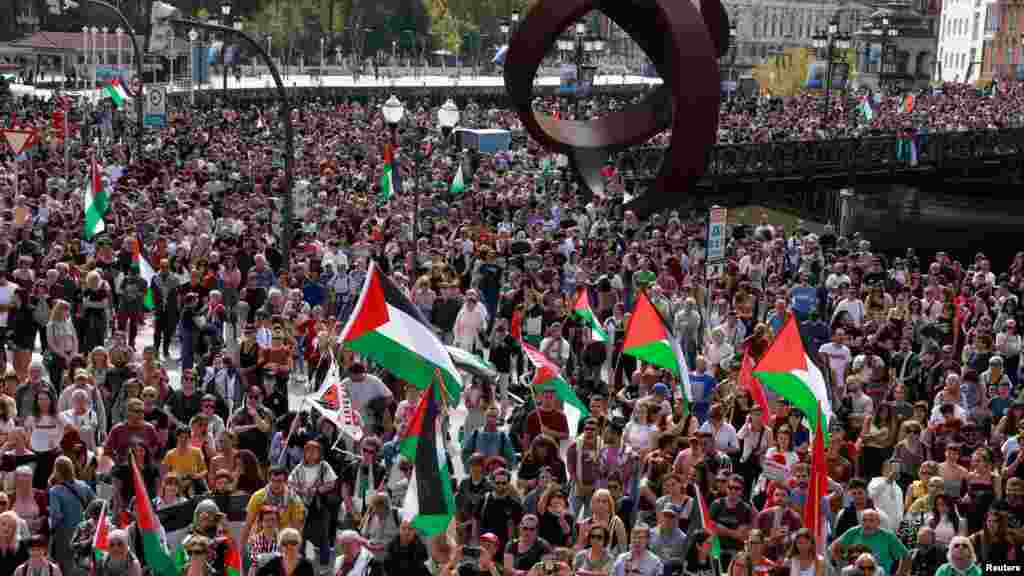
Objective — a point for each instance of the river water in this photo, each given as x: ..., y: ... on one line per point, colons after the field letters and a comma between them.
x: 961, y: 219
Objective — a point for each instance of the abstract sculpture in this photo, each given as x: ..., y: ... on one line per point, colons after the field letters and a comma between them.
x: 684, y: 47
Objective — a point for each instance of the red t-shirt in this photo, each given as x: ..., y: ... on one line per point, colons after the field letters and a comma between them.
x: 553, y: 419
x: 122, y: 437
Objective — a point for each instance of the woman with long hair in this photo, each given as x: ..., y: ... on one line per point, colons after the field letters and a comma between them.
x: 380, y: 524
x: 61, y: 340
x: 543, y: 453
x: 639, y: 433
x: 68, y: 498
x: 983, y: 488
x: 594, y: 559
x: 249, y: 479
x: 45, y: 430
x: 919, y: 488
x: 803, y: 558
x: 603, y: 515
x: 944, y: 520
x: 877, y: 439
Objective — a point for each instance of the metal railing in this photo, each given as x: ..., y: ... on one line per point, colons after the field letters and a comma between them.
x: 825, y: 158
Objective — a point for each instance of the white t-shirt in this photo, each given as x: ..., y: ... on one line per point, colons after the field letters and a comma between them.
x: 369, y: 388
x: 838, y: 358
x: 305, y: 476
x: 6, y: 297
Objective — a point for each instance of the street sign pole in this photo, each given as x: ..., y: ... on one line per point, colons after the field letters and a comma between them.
x: 19, y: 141
x: 715, y: 254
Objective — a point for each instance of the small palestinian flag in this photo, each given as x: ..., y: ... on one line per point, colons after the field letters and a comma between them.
x: 95, y: 202
x: 458, y: 184
x: 100, y: 539
x: 391, y: 179
x: 388, y: 329
x: 146, y: 272
x: 157, y: 559
x: 648, y: 338
x: 429, y: 502
x: 583, y: 310
x: 116, y: 93
x: 708, y: 524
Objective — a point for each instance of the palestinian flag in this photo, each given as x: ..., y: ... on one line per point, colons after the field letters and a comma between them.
x: 233, y: 560
x: 788, y: 370
x: 95, y: 202
x: 752, y: 384
x: 429, y: 502
x: 708, y: 524
x: 157, y: 559
x: 388, y: 329
x: 116, y: 93
x: 649, y: 339
x: 458, y: 185
x: 391, y: 179
x: 146, y: 272
x: 583, y: 310
x: 100, y: 539
x: 332, y: 401
x: 548, y: 376
x: 816, y: 492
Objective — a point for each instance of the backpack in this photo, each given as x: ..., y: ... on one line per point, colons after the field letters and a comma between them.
x: 23, y: 569
x: 473, y: 437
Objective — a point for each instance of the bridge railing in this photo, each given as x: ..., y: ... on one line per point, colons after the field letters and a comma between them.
x: 783, y: 160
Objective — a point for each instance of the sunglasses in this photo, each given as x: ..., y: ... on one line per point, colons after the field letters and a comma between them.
x: 597, y: 536
x: 290, y: 543
x: 960, y: 545
x: 735, y: 487
x: 528, y: 528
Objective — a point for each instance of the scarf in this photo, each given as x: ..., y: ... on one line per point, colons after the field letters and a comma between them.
x: 364, y: 484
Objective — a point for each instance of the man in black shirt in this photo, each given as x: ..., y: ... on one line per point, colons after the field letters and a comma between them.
x: 733, y: 517
x: 499, y: 509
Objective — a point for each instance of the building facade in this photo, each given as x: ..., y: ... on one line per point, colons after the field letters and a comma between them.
x: 963, y: 36
x: 1002, y: 52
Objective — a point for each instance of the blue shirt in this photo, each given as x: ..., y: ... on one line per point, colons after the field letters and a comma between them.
x: 702, y: 385
x: 805, y: 299
x: 65, y: 507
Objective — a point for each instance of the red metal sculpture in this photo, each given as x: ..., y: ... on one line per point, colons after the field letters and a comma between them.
x: 684, y: 47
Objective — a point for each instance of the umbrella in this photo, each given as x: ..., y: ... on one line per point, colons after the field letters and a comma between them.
x: 472, y: 363
x: 499, y: 57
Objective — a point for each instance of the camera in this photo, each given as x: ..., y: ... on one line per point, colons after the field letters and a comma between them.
x: 471, y: 552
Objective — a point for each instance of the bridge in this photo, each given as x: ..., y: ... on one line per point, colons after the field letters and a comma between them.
x: 794, y: 176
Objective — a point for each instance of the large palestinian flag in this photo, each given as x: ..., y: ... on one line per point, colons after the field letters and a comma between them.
x: 387, y: 328
x: 649, y: 338
x: 101, y: 537
x: 786, y: 369
x: 429, y: 502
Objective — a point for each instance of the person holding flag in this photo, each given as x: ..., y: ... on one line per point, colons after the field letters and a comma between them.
x: 120, y: 560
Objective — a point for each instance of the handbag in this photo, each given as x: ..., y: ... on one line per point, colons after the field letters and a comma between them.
x: 329, y: 501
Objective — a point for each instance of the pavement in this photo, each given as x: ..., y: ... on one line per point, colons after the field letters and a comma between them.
x: 305, y: 81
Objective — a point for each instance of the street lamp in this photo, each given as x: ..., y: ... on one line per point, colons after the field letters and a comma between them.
x: 103, y: 55
x: 193, y: 40
x: 95, y: 54
x: 828, y: 43
x: 86, y: 58
x: 886, y: 35
x: 504, y: 31
x: 225, y: 10
x: 393, y: 112
x: 118, y: 33
x: 448, y: 117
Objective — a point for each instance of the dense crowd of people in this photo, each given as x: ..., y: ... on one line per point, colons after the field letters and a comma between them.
x: 922, y: 356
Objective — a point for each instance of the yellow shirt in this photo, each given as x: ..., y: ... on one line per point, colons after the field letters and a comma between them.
x: 188, y: 462
x: 294, y: 516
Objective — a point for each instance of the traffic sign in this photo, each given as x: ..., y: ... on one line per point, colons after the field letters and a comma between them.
x: 20, y: 140
x: 156, y: 106
x: 716, y: 234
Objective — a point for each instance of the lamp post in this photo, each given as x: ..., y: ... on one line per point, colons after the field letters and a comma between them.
x: 337, y: 54
x: 225, y: 10
x: 95, y: 55
x: 104, y: 56
x: 829, y: 42
x: 322, y: 41
x: 193, y: 41
x: 886, y: 33
x: 505, y: 28
x: 170, y: 49
x: 448, y: 118
x: 732, y: 57
x: 86, y: 57
x: 393, y: 112
x: 118, y: 33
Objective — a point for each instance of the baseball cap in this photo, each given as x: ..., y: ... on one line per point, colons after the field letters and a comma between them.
x: 660, y: 388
